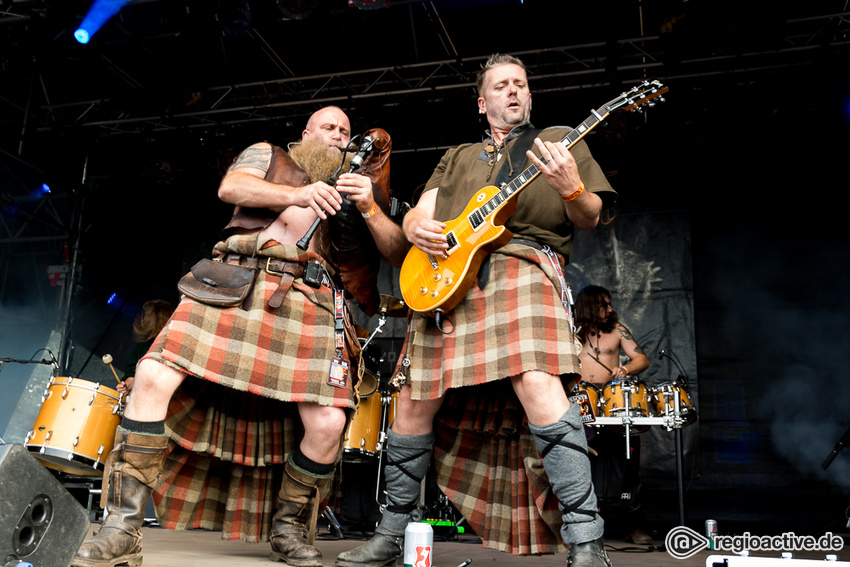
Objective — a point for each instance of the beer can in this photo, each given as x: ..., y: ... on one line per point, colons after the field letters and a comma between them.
x: 711, y: 532
x: 418, y: 544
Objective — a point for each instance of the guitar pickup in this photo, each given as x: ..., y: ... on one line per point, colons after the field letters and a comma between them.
x: 476, y: 219
x: 451, y: 240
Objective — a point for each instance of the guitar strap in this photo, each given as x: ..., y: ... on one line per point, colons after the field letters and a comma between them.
x: 517, y: 155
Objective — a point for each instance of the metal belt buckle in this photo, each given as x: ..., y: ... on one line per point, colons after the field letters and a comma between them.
x: 269, y: 270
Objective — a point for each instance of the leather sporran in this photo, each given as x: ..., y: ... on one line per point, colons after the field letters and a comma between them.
x: 217, y: 283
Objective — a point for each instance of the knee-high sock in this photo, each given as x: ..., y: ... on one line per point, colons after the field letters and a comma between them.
x: 408, y: 459
x: 563, y: 446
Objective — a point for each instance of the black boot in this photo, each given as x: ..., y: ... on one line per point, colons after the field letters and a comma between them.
x: 294, y: 523
x: 588, y: 554
x: 135, y: 466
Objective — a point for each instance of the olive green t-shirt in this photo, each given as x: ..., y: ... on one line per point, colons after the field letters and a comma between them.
x: 541, y: 214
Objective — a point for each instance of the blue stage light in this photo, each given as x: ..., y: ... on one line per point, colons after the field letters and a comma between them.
x: 45, y: 189
x: 82, y: 36
x: 99, y: 13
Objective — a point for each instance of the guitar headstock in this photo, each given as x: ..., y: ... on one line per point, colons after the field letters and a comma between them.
x: 635, y: 98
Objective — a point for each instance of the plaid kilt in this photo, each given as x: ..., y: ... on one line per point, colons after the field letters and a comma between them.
x: 486, y: 461
x: 225, y: 463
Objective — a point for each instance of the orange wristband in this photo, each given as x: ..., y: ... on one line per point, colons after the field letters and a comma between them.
x: 574, y: 194
x: 372, y: 212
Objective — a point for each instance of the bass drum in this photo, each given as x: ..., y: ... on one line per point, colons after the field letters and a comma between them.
x: 75, y: 428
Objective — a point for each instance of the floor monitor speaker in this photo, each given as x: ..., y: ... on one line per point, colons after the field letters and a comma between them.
x: 40, y: 521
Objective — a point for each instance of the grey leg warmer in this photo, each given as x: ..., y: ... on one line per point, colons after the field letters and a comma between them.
x: 563, y: 446
x: 408, y: 458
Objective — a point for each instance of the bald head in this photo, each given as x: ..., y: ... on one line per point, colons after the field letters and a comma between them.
x: 328, y: 125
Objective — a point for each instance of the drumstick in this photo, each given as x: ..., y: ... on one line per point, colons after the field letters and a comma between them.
x: 107, y: 359
x: 596, y: 358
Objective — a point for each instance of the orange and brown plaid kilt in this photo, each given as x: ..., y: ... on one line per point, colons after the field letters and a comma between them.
x: 232, y: 422
x: 486, y: 461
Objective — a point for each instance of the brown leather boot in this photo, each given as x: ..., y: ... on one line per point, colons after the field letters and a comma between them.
x: 135, y: 466
x: 294, y: 523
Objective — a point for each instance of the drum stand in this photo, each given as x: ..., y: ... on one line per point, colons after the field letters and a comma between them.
x: 673, y: 422
x: 382, y: 435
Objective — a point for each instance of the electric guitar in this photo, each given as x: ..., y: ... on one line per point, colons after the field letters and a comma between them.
x: 429, y: 283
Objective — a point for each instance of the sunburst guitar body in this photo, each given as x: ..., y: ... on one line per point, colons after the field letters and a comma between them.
x: 432, y: 283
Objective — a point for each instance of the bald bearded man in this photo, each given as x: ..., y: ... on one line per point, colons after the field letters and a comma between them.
x: 231, y: 402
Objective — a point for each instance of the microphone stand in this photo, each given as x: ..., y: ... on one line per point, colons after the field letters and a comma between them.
x: 837, y: 449
x: 356, y: 162
x: 680, y: 444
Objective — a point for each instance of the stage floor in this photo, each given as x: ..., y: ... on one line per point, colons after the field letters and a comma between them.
x: 197, y: 548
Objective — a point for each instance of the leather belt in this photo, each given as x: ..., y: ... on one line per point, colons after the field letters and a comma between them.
x: 538, y: 246
x: 285, y: 270
x: 532, y: 243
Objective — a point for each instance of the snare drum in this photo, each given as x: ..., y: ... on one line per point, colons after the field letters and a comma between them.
x: 372, y: 357
x: 626, y: 398
x: 75, y: 428
x: 363, y: 437
x: 663, y: 398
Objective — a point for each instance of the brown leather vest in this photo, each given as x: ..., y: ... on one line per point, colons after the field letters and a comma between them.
x: 354, y: 251
x: 281, y: 170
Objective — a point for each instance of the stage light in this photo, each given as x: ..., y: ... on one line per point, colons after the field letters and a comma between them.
x: 112, y: 299
x: 99, y: 13
x: 45, y: 189
x: 82, y: 36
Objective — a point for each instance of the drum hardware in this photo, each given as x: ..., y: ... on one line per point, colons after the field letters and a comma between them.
x: 392, y: 307
x: 630, y: 408
x: 372, y: 419
x: 627, y: 399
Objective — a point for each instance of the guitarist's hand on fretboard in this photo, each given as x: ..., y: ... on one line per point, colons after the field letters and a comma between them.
x: 561, y: 172
x: 557, y: 165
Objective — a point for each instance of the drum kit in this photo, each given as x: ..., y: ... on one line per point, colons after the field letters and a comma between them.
x: 367, y: 431
x: 630, y: 407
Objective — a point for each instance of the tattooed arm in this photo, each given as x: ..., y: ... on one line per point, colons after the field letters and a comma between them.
x: 244, y: 185
x: 638, y: 361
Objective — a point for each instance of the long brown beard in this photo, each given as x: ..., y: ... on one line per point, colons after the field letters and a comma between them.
x: 319, y: 162
x: 317, y: 159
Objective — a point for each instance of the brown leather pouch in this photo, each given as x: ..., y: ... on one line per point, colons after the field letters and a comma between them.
x: 217, y: 283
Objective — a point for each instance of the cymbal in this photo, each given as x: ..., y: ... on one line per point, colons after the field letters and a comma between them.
x: 393, y: 306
